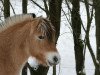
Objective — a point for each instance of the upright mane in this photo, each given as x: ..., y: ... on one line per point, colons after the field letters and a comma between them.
x: 10, y: 21
x: 44, y: 25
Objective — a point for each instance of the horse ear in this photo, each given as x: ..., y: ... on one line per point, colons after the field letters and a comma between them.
x: 33, y: 15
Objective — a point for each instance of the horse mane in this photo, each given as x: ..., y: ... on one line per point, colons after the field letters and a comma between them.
x: 10, y: 21
x: 44, y: 25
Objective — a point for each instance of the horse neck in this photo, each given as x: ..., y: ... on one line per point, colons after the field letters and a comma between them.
x: 17, y: 33
x: 14, y: 40
x: 13, y: 47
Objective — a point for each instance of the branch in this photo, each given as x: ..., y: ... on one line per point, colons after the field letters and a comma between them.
x: 66, y: 17
x: 46, y: 8
x: 38, y: 5
x: 80, y: 18
x: 87, y: 3
x: 12, y: 9
x: 68, y: 5
x: 89, y: 19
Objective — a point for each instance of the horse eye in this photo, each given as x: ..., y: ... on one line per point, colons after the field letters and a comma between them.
x: 41, y: 37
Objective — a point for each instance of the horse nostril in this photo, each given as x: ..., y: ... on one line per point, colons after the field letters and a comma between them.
x: 55, y: 59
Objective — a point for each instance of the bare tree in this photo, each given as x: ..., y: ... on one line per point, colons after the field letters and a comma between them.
x: 97, y: 21
x: 78, y: 45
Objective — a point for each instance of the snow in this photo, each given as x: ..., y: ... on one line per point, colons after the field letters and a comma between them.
x: 65, y: 44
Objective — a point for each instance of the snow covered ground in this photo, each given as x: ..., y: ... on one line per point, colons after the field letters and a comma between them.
x: 65, y: 42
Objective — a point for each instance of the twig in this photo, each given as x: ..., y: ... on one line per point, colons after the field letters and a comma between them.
x: 46, y: 8
x: 66, y: 17
x: 12, y: 9
x: 38, y: 5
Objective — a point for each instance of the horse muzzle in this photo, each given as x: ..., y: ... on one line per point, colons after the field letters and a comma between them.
x: 52, y: 58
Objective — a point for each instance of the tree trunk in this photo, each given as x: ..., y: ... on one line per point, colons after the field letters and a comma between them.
x: 6, y: 8
x: 55, y: 14
x: 97, y: 21
x: 78, y: 46
x: 24, y: 6
x: 55, y: 17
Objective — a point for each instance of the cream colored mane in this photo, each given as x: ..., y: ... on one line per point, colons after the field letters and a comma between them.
x: 10, y: 21
x: 44, y: 26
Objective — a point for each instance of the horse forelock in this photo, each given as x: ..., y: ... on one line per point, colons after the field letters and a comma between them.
x: 45, y: 26
x: 11, y: 21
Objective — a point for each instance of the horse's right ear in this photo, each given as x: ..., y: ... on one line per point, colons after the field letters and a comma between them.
x: 33, y: 15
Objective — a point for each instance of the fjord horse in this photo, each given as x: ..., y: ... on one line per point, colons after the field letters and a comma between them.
x: 23, y: 37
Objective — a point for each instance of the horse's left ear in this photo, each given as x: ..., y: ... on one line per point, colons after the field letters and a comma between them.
x: 33, y: 15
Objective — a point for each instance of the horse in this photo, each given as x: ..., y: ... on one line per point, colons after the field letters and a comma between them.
x: 22, y: 38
